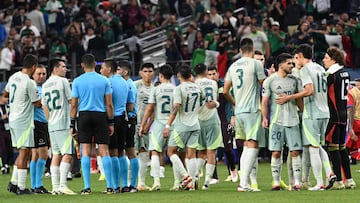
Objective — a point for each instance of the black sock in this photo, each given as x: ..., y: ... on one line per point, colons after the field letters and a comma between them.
x: 336, y: 162
x: 345, y: 162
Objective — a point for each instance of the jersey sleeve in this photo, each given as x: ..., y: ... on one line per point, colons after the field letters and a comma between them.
x: 259, y: 70
x: 177, y: 95
x: 67, y: 89
x: 108, y: 89
x: 266, y: 87
x: 152, y: 99
x: 31, y: 87
x: 305, y: 76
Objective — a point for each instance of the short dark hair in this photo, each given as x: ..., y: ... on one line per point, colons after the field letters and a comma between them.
x: 257, y: 52
x: 337, y: 55
x: 305, y: 49
x: 88, y: 60
x: 167, y: 71
x: 200, y: 68
x: 147, y: 65
x: 246, y: 45
x: 211, y: 68
x: 112, y: 64
x: 283, y: 57
x: 29, y: 61
x: 185, y: 71
x: 357, y: 80
x: 55, y: 62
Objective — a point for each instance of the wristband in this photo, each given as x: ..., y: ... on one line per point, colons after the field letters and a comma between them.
x: 72, y: 122
x: 217, y: 104
x: 167, y: 126
x: 111, y: 121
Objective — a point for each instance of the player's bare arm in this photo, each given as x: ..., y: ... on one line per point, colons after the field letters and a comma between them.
x: 148, y: 111
x: 226, y: 92
x: 308, y: 91
x: 264, y: 111
x: 172, y: 116
x: 110, y: 112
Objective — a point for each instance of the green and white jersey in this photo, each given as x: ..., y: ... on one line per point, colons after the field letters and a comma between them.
x: 22, y: 94
x: 162, y: 96
x: 285, y: 114
x: 245, y: 74
x: 296, y: 73
x: 143, y: 95
x: 56, y: 94
x: 209, y: 89
x: 189, y: 95
x: 316, y: 105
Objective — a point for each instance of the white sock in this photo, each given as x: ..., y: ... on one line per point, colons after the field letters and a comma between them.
x: 177, y: 176
x: 143, y: 163
x: 192, y: 169
x: 22, y: 173
x: 253, y: 173
x: 14, y: 176
x: 325, y: 161
x: 242, y: 163
x: 55, y: 177
x: 100, y: 165
x: 306, y: 164
x: 64, y: 169
x: 209, y: 172
x: 155, y: 168
x: 296, y: 167
x: 289, y: 164
x: 200, y: 162
x: 276, y: 170
x: 247, y: 164
x: 178, y: 165
x: 316, y: 165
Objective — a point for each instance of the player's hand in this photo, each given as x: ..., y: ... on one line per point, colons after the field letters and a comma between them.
x: 73, y: 133
x: 146, y: 129
x: 141, y: 131
x: 111, y: 130
x: 166, y: 133
x: 282, y: 99
x: 265, y: 123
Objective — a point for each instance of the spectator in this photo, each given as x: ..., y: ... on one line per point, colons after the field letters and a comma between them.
x: 6, y: 151
x: 354, y: 33
x: 244, y: 29
x: 277, y: 13
x: 303, y: 36
x: 293, y: 14
x: 6, y: 19
x: 28, y: 29
x: 97, y: 47
x: 19, y: 19
x: 206, y: 26
x: 260, y: 40
x: 171, y: 23
x: 276, y: 39
x: 7, y: 56
x: 3, y: 35
x: 215, y: 17
x: 227, y: 27
x: 53, y: 7
x: 58, y: 49
x: 133, y: 15
x: 113, y: 21
x: 190, y: 37
x: 232, y: 19
x: 199, y: 42
x: 108, y: 33
x: 36, y: 17
x: 90, y: 34
x: 172, y: 53
x: 198, y: 9
x: 29, y: 47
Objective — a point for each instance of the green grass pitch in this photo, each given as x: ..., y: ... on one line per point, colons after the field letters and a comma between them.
x: 224, y: 192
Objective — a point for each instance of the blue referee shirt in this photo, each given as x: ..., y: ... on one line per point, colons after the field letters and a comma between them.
x: 90, y: 88
x: 121, y: 94
x: 39, y: 114
x: 133, y: 91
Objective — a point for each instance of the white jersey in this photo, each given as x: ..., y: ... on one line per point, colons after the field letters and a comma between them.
x: 143, y: 95
x: 162, y: 96
x: 210, y: 91
x: 245, y: 74
x: 22, y: 94
x: 56, y: 94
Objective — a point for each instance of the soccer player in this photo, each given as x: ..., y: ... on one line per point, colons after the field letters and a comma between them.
x: 315, y: 115
x: 39, y: 154
x: 127, y: 142
x: 245, y: 77
x: 186, y: 130
x: 160, y: 103
x: 92, y: 97
x: 210, y: 137
x: 144, y: 88
x: 22, y: 95
x: 338, y: 81
x: 284, y: 119
x: 56, y: 95
x: 121, y: 96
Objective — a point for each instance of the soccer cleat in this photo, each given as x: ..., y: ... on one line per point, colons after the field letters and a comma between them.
x: 125, y: 189
x: 350, y: 184
x: 142, y: 188
x: 205, y: 187
x: 331, y: 181
x: 47, y: 175
x: 255, y: 186
x: 86, y: 191
x: 24, y: 192
x: 69, y: 176
x: 283, y: 185
x: 185, y: 182
x: 65, y: 190
x: 175, y: 188
x: 109, y: 191
x: 276, y: 188
x: 295, y: 188
x: 246, y: 189
x: 41, y: 190
x: 117, y: 190
x: 12, y: 188
x: 338, y: 185
x: 317, y: 188
x: 306, y: 184
x: 234, y: 176
x: 228, y: 179
x: 55, y: 192
x: 155, y: 188
x: 132, y: 189
x: 214, y: 181
x: 102, y: 177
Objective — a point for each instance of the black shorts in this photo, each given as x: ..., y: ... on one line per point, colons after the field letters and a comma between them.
x: 335, y: 133
x: 41, y: 134
x: 93, y: 124
x: 127, y: 132
x: 120, y: 127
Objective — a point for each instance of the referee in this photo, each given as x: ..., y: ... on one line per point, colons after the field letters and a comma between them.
x: 92, y: 97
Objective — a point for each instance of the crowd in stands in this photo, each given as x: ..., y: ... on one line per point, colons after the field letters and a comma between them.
x: 59, y: 28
